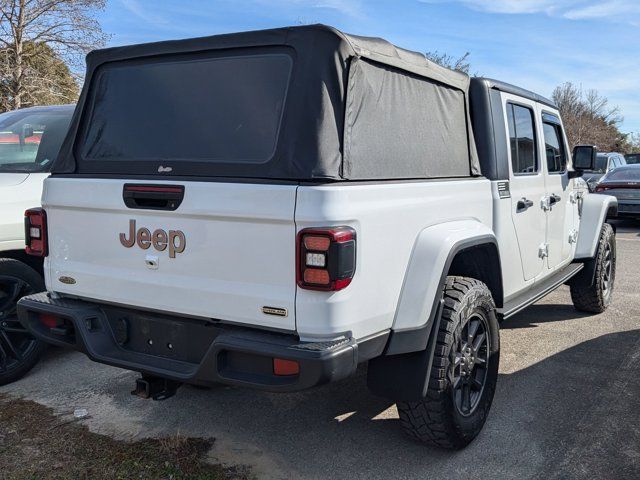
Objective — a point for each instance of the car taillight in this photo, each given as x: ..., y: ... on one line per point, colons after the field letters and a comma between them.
x: 35, y: 226
x: 326, y: 258
x: 601, y: 189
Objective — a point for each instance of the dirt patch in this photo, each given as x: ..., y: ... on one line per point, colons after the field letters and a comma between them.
x: 37, y: 444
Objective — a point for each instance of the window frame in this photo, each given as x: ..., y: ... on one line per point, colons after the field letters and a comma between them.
x: 534, y: 124
x: 552, y: 119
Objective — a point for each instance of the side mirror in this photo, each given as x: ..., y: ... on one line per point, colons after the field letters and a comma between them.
x: 584, y: 158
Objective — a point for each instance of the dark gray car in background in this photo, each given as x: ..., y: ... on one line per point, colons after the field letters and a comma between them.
x: 624, y: 184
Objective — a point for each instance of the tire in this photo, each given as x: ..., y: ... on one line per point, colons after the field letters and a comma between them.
x: 597, y: 297
x: 19, y: 351
x: 441, y: 418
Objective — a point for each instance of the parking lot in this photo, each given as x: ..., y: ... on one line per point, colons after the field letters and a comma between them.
x: 566, y: 405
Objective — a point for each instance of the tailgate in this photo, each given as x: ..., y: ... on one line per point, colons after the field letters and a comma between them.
x: 233, y: 249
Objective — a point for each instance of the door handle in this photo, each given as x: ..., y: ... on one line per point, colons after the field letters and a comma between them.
x: 524, y: 203
x: 553, y: 199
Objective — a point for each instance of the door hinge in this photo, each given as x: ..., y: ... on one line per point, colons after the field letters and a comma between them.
x: 543, y: 250
x: 573, y: 236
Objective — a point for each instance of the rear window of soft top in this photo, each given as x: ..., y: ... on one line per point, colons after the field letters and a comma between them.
x: 209, y: 107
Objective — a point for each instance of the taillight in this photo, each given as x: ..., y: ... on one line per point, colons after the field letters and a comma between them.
x: 326, y: 258
x: 601, y: 189
x: 35, y: 229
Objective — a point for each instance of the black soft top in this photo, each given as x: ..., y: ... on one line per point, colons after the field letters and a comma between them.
x: 324, y: 127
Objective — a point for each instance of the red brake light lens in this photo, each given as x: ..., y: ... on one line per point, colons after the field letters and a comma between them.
x: 35, y: 226
x: 326, y: 258
x: 318, y: 243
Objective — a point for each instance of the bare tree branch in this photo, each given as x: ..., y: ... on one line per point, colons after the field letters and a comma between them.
x: 38, y: 40
x: 588, y: 118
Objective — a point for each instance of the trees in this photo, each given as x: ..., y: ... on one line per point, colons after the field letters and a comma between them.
x: 46, y: 79
x: 460, y: 64
x: 38, y: 38
x: 588, y: 118
x: 634, y: 142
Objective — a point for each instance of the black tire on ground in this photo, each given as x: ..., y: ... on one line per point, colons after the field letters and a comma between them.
x: 19, y: 351
x: 597, y: 297
x: 467, y: 354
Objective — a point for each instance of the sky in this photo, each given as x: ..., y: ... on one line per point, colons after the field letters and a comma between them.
x: 535, y: 44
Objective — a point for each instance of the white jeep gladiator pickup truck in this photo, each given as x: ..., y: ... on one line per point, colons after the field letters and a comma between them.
x: 270, y: 209
x: 29, y: 143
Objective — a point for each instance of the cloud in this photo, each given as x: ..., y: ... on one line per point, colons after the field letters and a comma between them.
x: 514, y: 6
x: 620, y: 10
x: 144, y: 13
x: 624, y: 11
x: 351, y: 8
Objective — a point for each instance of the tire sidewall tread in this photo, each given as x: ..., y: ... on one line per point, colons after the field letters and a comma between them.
x: 435, y: 420
x: 15, y: 268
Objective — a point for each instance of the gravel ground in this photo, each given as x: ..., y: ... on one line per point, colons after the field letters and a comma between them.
x: 567, y: 405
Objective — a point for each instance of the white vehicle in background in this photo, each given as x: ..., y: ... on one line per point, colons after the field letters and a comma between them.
x: 287, y: 204
x: 29, y: 143
x: 605, y: 163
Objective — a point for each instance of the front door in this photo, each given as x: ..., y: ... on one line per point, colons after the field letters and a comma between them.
x: 559, y: 203
x: 527, y: 184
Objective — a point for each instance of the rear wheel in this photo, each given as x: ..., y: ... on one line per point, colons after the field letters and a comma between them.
x: 19, y: 351
x: 464, y: 372
x: 596, y: 297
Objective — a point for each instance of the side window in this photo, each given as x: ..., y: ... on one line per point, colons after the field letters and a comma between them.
x: 554, y: 147
x: 522, y: 138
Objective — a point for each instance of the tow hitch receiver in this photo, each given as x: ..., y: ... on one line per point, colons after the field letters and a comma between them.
x: 155, y: 388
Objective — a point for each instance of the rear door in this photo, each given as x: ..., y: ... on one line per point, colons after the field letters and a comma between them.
x: 526, y: 183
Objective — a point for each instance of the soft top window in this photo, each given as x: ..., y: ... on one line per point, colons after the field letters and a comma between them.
x: 202, y: 108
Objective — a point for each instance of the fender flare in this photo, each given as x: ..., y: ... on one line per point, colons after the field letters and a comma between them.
x: 420, y: 298
x: 594, y: 209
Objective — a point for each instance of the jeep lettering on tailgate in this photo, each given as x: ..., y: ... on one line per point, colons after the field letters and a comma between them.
x: 160, y: 239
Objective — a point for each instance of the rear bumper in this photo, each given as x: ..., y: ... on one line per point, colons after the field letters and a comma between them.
x: 186, y: 350
x: 628, y: 208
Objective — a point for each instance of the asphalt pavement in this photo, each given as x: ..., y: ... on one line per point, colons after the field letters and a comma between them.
x: 567, y: 405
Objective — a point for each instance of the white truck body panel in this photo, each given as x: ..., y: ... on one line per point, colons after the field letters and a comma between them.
x: 594, y: 213
x: 388, y: 218
x: 433, y: 247
x: 239, y: 255
x: 18, y: 192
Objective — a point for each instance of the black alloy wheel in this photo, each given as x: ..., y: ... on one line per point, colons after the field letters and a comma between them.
x: 470, y: 364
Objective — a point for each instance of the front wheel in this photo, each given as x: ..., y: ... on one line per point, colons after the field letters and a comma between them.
x: 464, y: 372
x: 19, y: 351
x: 596, y: 297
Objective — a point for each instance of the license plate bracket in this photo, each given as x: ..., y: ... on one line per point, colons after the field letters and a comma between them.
x: 165, y: 338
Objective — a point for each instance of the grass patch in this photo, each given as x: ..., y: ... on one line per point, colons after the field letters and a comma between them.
x: 36, y: 444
